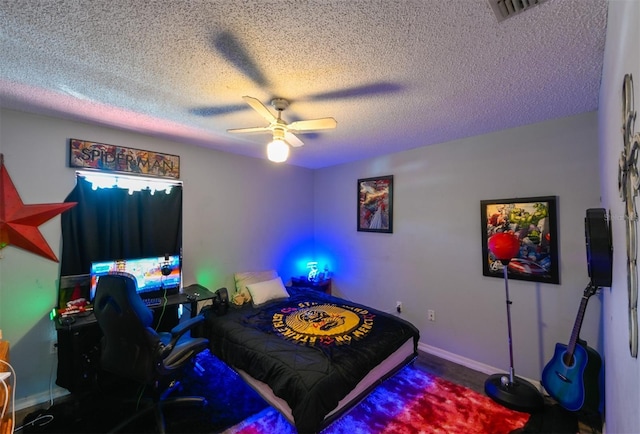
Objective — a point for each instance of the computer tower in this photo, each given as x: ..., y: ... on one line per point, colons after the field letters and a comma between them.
x: 78, y: 356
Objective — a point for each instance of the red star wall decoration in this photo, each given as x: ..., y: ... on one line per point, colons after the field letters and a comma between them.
x: 19, y: 222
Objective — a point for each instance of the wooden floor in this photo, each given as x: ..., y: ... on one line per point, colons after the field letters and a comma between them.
x: 450, y: 371
x: 474, y: 380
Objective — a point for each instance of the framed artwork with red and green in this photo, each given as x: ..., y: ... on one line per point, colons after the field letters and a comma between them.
x: 533, y: 221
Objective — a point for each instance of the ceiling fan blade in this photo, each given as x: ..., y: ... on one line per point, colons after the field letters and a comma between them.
x: 313, y: 124
x: 292, y: 140
x: 232, y: 49
x: 249, y: 130
x: 216, y: 111
x: 260, y: 108
x: 380, y: 88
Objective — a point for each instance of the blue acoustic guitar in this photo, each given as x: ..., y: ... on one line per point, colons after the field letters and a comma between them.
x: 572, y: 376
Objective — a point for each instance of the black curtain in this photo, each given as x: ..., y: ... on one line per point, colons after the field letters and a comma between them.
x: 109, y: 223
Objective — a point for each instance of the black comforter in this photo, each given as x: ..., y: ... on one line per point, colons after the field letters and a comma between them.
x: 311, y: 349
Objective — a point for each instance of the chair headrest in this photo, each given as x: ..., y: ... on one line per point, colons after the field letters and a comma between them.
x: 119, y: 290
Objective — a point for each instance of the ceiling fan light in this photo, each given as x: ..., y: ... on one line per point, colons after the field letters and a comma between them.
x: 278, y: 151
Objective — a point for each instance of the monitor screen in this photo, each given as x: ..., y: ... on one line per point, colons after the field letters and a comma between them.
x: 153, y: 275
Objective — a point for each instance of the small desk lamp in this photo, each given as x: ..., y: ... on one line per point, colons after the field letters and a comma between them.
x: 509, y: 390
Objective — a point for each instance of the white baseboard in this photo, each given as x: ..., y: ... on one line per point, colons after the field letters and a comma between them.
x: 469, y: 363
x: 40, y: 398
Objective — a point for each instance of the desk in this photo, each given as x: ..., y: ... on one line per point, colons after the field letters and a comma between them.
x: 79, y: 338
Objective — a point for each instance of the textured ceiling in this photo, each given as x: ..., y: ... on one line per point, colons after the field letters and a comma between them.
x: 395, y: 75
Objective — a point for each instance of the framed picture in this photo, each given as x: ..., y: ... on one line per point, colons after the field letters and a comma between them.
x: 534, y: 221
x: 375, y: 204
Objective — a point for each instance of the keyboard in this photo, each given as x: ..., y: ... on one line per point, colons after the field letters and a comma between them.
x: 152, y: 302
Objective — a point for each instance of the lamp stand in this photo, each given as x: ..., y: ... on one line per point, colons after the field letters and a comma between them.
x: 507, y: 389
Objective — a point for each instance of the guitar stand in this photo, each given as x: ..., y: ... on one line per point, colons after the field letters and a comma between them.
x: 506, y: 389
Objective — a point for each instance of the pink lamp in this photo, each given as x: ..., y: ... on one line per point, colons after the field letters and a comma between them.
x: 512, y: 392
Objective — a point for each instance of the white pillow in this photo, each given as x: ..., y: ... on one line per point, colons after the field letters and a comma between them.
x: 263, y: 292
x: 242, y: 295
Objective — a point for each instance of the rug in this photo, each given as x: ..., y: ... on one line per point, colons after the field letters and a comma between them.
x: 413, y: 401
x: 229, y: 401
x: 410, y: 402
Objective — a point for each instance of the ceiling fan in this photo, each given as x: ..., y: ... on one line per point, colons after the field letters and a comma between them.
x: 282, y: 132
x: 232, y: 49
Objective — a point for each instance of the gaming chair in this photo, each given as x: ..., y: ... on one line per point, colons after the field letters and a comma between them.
x: 133, y: 350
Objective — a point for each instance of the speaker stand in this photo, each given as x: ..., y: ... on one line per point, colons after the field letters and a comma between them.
x: 507, y: 389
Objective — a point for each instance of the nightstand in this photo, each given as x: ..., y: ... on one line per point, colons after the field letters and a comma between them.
x: 319, y: 285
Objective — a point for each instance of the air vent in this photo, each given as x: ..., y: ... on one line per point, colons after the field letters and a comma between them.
x: 507, y: 8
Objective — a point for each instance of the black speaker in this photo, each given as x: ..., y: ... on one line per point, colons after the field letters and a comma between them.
x: 221, y: 301
x: 597, y: 231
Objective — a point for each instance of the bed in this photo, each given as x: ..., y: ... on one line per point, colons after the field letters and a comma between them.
x: 312, y: 356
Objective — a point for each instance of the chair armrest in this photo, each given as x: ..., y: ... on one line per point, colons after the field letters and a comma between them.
x: 184, y: 326
x: 177, y: 332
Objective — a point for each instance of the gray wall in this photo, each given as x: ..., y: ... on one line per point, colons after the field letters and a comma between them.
x: 433, y: 259
x: 622, y: 56
x: 240, y: 214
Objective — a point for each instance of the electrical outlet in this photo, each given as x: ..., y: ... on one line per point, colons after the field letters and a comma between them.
x: 399, y: 306
x: 53, y: 349
x: 431, y: 315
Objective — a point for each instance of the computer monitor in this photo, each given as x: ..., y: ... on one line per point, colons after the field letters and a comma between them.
x: 154, y: 275
x: 73, y: 287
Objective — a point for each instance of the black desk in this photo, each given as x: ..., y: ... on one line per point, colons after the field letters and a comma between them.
x: 79, y: 338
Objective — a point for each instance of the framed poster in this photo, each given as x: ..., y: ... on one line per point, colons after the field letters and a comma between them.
x: 534, y: 221
x: 375, y: 204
